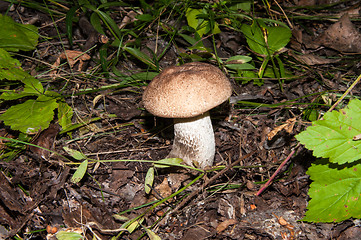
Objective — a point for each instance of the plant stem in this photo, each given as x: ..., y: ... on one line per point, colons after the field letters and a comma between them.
x: 346, y: 93
x: 277, y: 171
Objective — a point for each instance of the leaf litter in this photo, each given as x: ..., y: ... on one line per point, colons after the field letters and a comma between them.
x: 226, y: 209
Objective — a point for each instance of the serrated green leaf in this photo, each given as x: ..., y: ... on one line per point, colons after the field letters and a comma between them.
x: 149, y: 179
x: 31, y: 116
x: 63, y: 235
x: 332, y: 137
x: 80, y: 172
x: 15, y: 36
x: 168, y: 162
x: 32, y: 87
x: 10, y: 68
x: 335, y: 192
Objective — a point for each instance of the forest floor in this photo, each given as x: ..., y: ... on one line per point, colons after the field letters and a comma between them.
x: 38, y: 196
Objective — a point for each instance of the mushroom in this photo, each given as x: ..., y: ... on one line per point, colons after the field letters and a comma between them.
x: 186, y: 93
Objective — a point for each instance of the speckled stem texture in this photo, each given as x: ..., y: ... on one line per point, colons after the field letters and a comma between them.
x: 194, y: 141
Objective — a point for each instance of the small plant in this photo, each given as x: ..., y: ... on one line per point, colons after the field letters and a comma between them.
x: 34, y: 106
x: 336, y: 188
x: 267, y: 42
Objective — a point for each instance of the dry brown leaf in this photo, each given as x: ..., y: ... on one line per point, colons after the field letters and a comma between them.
x: 72, y: 57
x: 311, y: 59
x: 288, y: 127
x: 162, y: 190
x: 45, y: 140
x: 224, y: 225
x: 129, y: 18
x: 342, y: 36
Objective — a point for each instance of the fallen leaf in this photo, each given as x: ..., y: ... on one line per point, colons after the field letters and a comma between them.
x: 288, y: 127
x: 224, y: 225
x: 72, y: 56
x: 45, y: 140
x: 163, y: 189
x: 342, y: 36
x: 311, y: 59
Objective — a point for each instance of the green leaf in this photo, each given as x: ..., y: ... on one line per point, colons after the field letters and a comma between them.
x: 107, y: 5
x: 244, y: 66
x: 242, y: 5
x: 65, y: 114
x: 195, y: 44
x: 110, y: 23
x: 200, y: 25
x: 255, y: 38
x: 144, y: 76
x: 80, y: 172
x: 332, y: 137
x: 33, y: 87
x: 168, y: 162
x: 189, y: 39
x: 266, y: 40
x: 132, y: 225
x: 141, y: 56
x: 96, y: 23
x: 15, y: 36
x: 149, y: 179
x: 145, y: 17
x: 247, y: 76
x: 69, y: 23
x: 31, y: 116
x: 10, y: 68
x: 152, y: 235
x: 335, y: 192
x: 278, y: 37
x: 64, y: 235
x: 74, y: 153
x: 239, y: 59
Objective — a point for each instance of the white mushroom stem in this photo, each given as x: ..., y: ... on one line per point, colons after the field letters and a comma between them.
x: 194, y: 141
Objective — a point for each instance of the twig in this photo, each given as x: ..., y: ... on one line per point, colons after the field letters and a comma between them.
x: 288, y: 21
x: 277, y: 171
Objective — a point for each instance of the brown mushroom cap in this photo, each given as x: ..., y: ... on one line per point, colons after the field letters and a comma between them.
x: 186, y: 91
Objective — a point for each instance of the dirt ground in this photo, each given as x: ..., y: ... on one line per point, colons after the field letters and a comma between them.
x: 37, y: 196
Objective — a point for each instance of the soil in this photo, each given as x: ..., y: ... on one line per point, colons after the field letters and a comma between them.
x: 39, y: 198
